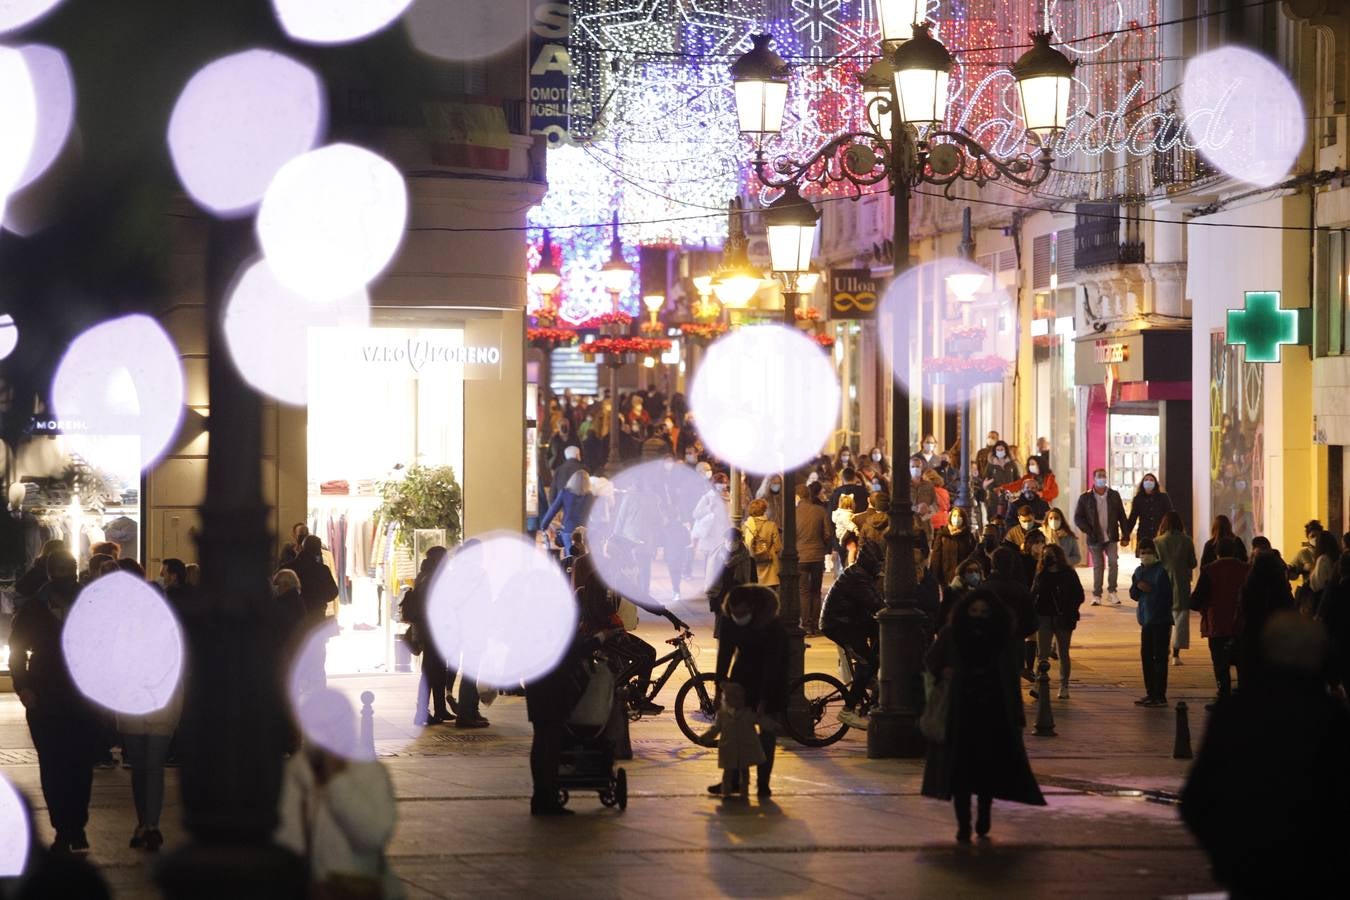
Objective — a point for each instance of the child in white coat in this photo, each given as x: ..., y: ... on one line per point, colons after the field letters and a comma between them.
x: 738, y: 746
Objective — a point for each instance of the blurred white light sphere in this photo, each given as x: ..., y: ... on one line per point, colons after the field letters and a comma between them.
x: 267, y: 331
x: 503, y: 610
x: 15, y: 14
x: 54, y: 96
x: 123, y: 645
x: 9, y: 335
x: 119, y: 393
x: 766, y: 399
x: 467, y: 29
x: 1244, y: 113
x: 15, y: 830
x: 336, y: 21
x: 238, y: 120
x: 332, y: 219
x: 19, y: 125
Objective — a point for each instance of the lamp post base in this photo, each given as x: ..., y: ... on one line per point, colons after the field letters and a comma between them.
x: 893, y: 727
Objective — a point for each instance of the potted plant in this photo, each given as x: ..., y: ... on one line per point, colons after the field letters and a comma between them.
x: 425, y: 497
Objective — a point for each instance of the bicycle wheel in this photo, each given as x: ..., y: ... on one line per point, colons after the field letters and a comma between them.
x: 695, y: 706
x: 817, y: 723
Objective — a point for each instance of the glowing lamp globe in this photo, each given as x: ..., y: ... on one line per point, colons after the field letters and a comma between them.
x: 760, y: 78
x: 898, y: 18
x: 703, y: 284
x: 791, y: 224
x: 546, y: 278
x: 1044, y: 79
x: 808, y: 281
x: 922, y: 69
x: 735, y: 289
x: 616, y: 274
x: 876, y: 83
x: 965, y: 285
x: 654, y: 302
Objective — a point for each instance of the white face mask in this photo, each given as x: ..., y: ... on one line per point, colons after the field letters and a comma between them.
x: 742, y: 620
x: 1052, y: 524
x: 844, y: 457
x: 972, y: 579
x: 929, y: 448
x: 1001, y: 454
x: 957, y: 522
x: 1100, y: 482
x: 775, y: 488
x: 1034, y: 469
x: 1026, y: 523
x: 690, y: 458
x: 876, y: 456
x: 915, y: 471
x: 1147, y: 559
x: 1150, y: 485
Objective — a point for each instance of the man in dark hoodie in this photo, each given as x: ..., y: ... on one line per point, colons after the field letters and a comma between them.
x: 62, y: 724
x: 848, y: 617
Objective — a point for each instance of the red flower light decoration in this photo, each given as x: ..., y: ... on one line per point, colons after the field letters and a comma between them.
x: 806, y: 314
x: 703, y: 331
x: 548, y: 338
x: 604, y: 319
x: 824, y: 340
x: 637, y: 345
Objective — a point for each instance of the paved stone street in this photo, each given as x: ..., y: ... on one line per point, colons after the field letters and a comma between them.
x: 839, y: 824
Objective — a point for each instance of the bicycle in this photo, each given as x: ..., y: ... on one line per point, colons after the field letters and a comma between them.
x: 817, y: 722
x: 696, y: 700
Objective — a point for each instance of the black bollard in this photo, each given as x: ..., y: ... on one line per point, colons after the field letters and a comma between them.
x: 1182, y: 748
x: 368, y: 723
x: 1045, y: 716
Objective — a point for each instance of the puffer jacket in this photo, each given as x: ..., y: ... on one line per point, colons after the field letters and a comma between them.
x: 853, y: 599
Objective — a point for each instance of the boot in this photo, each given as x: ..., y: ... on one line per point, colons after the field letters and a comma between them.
x: 962, y: 805
x: 982, y: 823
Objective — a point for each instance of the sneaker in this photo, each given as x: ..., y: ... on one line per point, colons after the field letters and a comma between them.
x: 79, y: 843
x: 1176, y: 660
x: 853, y: 719
x: 1156, y: 704
x: 1064, y: 692
x: 1096, y: 600
x: 61, y: 846
x: 1115, y: 599
x: 1143, y: 701
x: 646, y: 706
x: 715, y: 790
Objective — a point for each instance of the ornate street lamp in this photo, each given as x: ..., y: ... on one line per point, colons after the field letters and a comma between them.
x: 914, y: 150
x: 654, y: 302
x: 617, y: 276
x: 736, y: 281
x: 761, y: 81
x: 1044, y: 79
x: 791, y: 223
x: 898, y: 18
x: 546, y: 278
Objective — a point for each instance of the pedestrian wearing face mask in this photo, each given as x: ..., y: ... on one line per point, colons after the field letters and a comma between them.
x: 765, y: 542
x: 845, y: 459
x: 969, y: 577
x: 998, y: 473
x: 1100, y: 515
x: 1058, y: 594
x: 923, y: 495
x: 929, y: 453
x: 771, y: 492
x: 1059, y: 534
x: 1176, y: 554
x: 1026, y: 524
x: 985, y: 453
x: 1152, y: 590
x: 734, y: 567
x: 983, y: 554
x: 877, y: 457
x: 1147, y: 509
x: 1047, y: 488
x: 952, y: 545
x: 753, y: 651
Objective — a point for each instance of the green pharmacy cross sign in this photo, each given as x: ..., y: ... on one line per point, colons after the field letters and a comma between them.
x: 1263, y: 327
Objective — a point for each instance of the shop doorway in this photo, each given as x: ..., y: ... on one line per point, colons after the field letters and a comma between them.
x: 381, y: 400
x: 1135, y: 441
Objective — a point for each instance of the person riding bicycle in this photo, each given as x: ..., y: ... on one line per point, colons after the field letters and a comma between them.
x: 848, y: 617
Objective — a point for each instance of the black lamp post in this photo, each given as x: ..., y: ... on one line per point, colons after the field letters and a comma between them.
x: 915, y: 151
x: 617, y: 276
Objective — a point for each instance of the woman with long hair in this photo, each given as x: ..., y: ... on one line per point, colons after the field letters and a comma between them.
x: 1221, y: 529
x: 1147, y: 509
x: 1058, y: 595
x: 982, y: 752
x: 1176, y: 553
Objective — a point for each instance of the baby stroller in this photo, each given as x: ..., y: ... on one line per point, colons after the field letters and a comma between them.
x: 587, y: 762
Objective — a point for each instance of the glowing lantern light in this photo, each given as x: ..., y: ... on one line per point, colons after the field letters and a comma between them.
x: 122, y: 379
x: 238, y: 121
x: 123, y: 645
x: 503, y: 609
x: 336, y: 21
x: 784, y: 408
x: 332, y: 219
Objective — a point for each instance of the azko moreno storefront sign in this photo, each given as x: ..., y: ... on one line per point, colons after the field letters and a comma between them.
x: 413, y: 352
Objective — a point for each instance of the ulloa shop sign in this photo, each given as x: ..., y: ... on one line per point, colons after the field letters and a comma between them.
x: 853, y: 294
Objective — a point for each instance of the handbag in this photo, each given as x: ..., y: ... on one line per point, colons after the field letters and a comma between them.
x: 592, y: 710
x: 933, y: 721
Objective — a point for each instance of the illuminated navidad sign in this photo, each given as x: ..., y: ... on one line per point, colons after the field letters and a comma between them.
x: 1262, y: 327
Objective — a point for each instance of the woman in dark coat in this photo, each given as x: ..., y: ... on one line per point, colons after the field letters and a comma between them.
x: 752, y: 651
x: 1221, y: 530
x: 549, y: 700
x: 317, y: 587
x: 1149, y: 505
x: 951, y: 547
x: 982, y: 753
x: 413, y: 610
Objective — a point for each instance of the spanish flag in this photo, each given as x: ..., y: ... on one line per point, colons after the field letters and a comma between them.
x: 468, y: 133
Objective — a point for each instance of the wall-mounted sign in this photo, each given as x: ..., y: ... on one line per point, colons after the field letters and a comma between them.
x: 559, y: 103
x: 1106, y: 352
x: 1262, y: 327
x: 416, y: 353
x: 853, y: 294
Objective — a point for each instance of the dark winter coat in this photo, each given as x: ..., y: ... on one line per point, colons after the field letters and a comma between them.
x: 760, y: 653
x: 1099, y: 533
x: 1268, y: 794
x: 1217, y: 596
x: 1012, y: 590
x: 38, y: 663
x: 949, y: 551
x: 550, y: 699
x: 317, y: 586
x: 852, y: 601
x: 814, y: 533
x: 1146, y: 512
x: 1210, y: 551
x: 1059, y: 595
x: 983, y: 752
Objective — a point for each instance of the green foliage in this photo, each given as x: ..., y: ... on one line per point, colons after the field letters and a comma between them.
x: 426, y: 497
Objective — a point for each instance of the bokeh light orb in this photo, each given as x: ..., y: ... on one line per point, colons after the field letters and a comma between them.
x: 15, y: 832
x: 336, y: 21
x: 15, y: 14
x: 1244, y: 113
x: 328, y: 719
x: 467, y: 29
x: 19, y: 125
x: 9, y: 335
x: 267, y: 330
x: 238, y: 120
x: 502, y: 610
x: 658, y: 511
x: 332, y: 219
x: 766, y: 399
x: 119, y: 388
x: 956, y: 326
x: 54, y: 94
x: 123, y: 645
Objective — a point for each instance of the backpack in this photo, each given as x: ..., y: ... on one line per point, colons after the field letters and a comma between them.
x: 761, y: 548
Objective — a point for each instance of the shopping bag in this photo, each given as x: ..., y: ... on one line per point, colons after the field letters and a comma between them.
x: 592, y: 710
x: 933, y: 722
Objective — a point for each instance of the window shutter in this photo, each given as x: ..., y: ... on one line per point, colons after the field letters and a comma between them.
x: 1064, y: 255
x: 1040, y: 262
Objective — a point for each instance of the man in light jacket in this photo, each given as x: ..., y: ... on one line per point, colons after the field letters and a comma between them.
x: 1100, y: 515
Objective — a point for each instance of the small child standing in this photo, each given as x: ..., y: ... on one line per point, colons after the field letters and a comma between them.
x: 738, y: 746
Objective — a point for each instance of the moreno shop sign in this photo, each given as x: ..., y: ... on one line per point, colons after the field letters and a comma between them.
x: 420, y: 354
